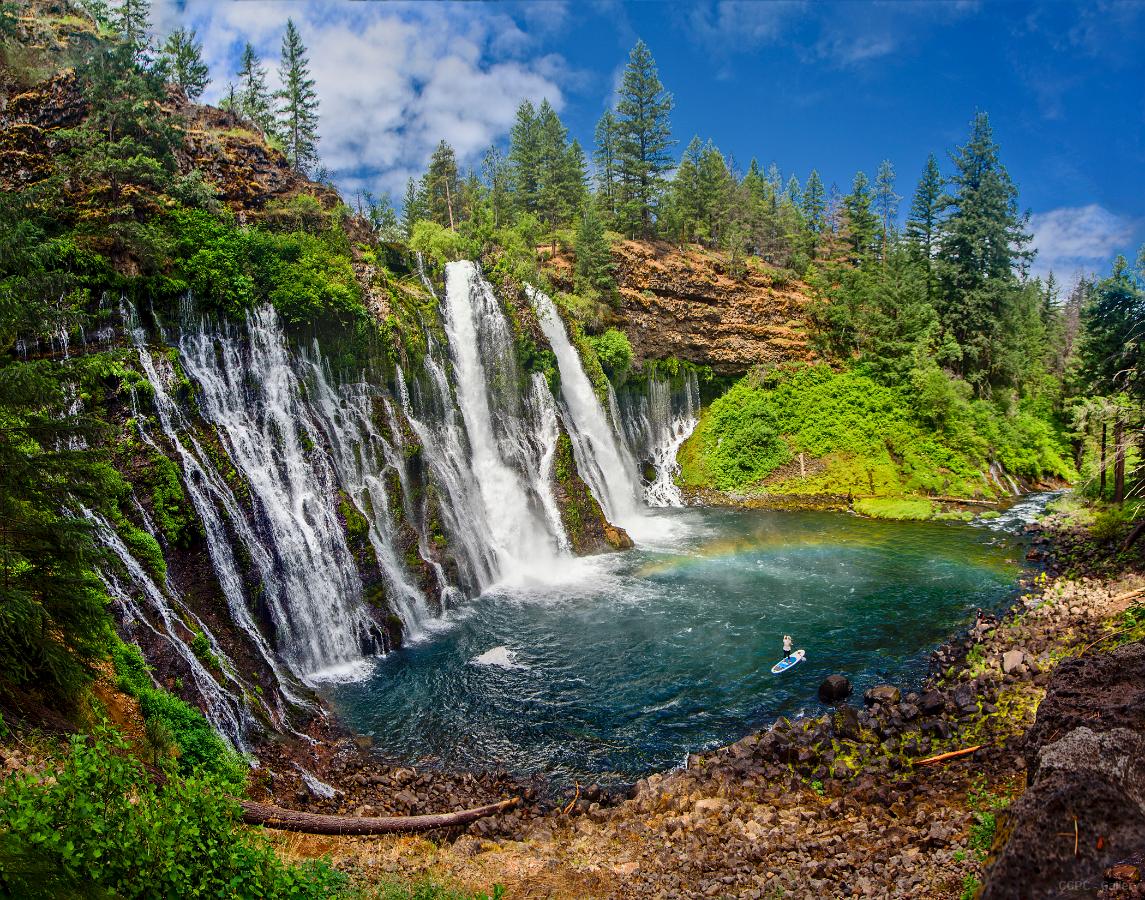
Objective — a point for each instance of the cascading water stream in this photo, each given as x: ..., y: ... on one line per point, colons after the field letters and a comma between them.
x: 251, y: 394
x: 210, y: 495
x: 656, y: 421
x: 503, y: 454
x: 362, y: 458
x: 601, y: 458
x: 226, y: 710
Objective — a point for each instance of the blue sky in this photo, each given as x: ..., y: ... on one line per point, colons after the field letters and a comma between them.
x: 831, y: 86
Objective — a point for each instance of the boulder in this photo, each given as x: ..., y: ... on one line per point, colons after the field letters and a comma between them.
x: 834, y: 688
x: 1012, y: 661
x: 882, y: 693
x: 617, y: 537
x: 966, y: 698
x: 845, y: 723
x: 932, y: 703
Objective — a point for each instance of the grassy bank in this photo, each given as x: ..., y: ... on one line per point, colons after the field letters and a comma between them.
x: 811, y: 430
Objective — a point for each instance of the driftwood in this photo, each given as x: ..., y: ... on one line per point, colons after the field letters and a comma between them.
x: 1133, y: 535
x: 943, y: 757
x: 310, y: 823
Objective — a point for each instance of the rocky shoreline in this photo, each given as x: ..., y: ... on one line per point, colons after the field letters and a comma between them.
x: 843, y: 804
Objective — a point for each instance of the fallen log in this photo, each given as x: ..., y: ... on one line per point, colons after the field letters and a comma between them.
x: 943, y: 757
x: 310, y: 823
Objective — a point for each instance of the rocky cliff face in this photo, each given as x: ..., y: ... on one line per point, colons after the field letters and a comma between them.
x: 1080, y: 827
x: 685, y: 303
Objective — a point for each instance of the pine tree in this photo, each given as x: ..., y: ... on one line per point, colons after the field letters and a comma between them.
x: 182, y: 58
x: 604, y: 159
x: 574, y: 178
x: 861, y: 222
x: 413, y: 206
x: 793, y: 193
x: 54, y: 605
x: 924, y: 222
x: 299, y: 111
x: 886, y: 202
x: 715, y: 194
x: 1112, y: 351
x: 814, y: 210
x: 525, y: 158
x: 644, y: 138
x: 980, y: 249
x: 593, y: 259
x: 687, y: 200
x: 254, y: 100
x: 553, y: 176
x: 496, y: 174
x: 131, y: 19
x: 441, y: 187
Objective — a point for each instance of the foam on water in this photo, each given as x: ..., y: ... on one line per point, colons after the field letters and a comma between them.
x: 501, y: 657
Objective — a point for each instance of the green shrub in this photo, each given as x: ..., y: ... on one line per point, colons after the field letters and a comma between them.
x: 869, y: 438
x: 200, y: 749
x: 614, y: 352
x: 99, y: 826
x: 439, y: 244
x: 738, y: 439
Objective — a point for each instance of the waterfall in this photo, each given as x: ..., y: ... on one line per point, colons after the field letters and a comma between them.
x: 251, y: 394
x: 656, y: 421
x: 226, y: 710
x: 602, y: 460
x: 211, y: 496
x: 435, y: 420
x: 504, y: 447
x: 997, y: 474
x: 302, y: 571
x: 362, y: 458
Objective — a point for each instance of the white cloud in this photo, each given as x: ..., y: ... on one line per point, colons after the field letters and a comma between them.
x: 1078, y: 238
x: 392, y: 79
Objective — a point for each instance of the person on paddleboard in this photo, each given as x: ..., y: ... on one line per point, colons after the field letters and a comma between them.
x: 787, y: 645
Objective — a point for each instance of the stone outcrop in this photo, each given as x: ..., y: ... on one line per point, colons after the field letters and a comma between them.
x: 685, y: 303
x: 1083, y: 815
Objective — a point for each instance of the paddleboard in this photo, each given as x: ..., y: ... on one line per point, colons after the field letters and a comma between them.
x: 787, y: 662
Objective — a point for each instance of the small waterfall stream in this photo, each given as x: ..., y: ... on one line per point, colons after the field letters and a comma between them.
x: 603, y: 460
x: 656, y: 421
x: 225, y: 709
x: 362, y: 458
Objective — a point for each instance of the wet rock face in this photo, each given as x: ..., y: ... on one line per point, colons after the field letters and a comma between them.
x: 1084, y: 812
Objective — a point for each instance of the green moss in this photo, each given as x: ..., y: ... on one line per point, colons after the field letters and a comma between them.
x: 899, y: 508
x: 145, y: 549
x: 171, y: 509
x: 201, y: 647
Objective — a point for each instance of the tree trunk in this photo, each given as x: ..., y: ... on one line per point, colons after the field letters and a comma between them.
x: 1103, y: 429
x: 1119, y: 461
x: 310, y: 823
